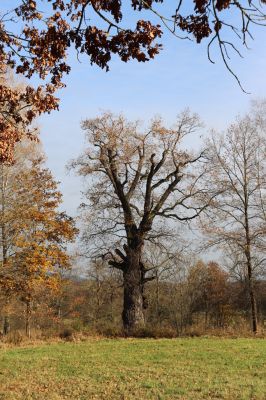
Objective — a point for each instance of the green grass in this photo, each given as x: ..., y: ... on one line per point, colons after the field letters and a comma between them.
x: 136, y: 369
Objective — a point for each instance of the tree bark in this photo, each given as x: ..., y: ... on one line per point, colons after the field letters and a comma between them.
x: 133, y: 310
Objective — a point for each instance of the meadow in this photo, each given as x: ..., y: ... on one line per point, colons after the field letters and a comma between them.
x: 142, y: 369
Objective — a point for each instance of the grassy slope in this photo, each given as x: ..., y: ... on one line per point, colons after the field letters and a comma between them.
x: 136, y: 369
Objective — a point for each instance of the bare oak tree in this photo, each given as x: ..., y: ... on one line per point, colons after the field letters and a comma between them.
x: 137, y: 180
x: 236, y: 218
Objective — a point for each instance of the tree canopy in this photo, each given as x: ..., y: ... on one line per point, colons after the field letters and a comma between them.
x: 36, y: 37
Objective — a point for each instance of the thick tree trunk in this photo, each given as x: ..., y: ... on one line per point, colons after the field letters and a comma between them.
x: 133, y: 310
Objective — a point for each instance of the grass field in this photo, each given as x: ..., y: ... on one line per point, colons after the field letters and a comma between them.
x: 136, y: 369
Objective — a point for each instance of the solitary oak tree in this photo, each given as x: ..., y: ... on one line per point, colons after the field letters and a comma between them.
x: 137, y: 180
x: 36, y: 35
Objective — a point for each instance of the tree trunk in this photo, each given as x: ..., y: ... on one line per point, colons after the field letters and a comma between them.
x: 59, y: 309
x: 253, y: 305
x: 248, y: 247
x: 133, y: 315
x: 6, y: 325
x: 28, y: 319
x: 157, y: 298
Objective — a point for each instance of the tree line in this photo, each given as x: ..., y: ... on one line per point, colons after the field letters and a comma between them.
x: 195, y: 300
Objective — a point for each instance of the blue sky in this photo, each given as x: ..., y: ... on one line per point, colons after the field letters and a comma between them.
x: 181, y: 76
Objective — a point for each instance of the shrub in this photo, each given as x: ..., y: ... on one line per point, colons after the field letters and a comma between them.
x: 67, y: 334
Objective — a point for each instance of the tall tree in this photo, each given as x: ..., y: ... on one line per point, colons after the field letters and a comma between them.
x: 11, y: 213
x: 39, y: 44
x: 236, y: 219
x: 137, y: 179
x: 34, y: 232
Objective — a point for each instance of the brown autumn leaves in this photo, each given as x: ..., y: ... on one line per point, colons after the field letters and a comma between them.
x: 36, y: 42
x: 33, y: 232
